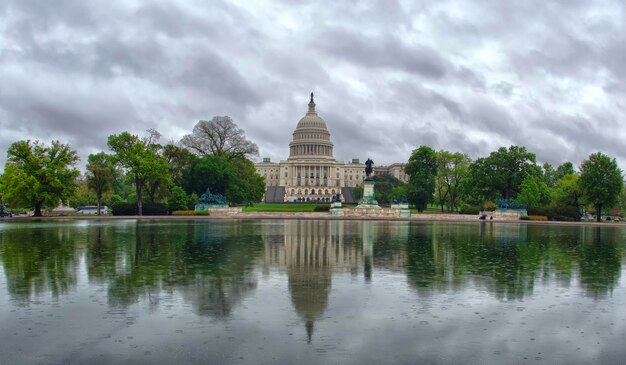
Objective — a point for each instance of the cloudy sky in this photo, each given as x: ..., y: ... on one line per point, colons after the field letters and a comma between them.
x: 388, y: 75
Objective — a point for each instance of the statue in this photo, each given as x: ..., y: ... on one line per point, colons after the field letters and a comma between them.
x: 336, y: 198
x: 212, y: 199
x: 368, y: 167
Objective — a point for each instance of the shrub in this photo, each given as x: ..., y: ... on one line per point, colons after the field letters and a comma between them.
x: 322, y: 208
x: 469, y: 209
x: 535, y: 218
x: 123, y: 208
x: 184, y: 212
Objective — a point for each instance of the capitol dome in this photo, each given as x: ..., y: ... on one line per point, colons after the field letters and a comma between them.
x: 311, y: 138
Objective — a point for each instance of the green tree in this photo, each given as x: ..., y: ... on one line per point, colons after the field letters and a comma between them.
x: 534, y: 192
x: 178, y: 199
x: 385, y: 184
x: 566, y: 197
x: 422, y: 171
x: 452, y: 169
x: 502, y: 173
x: 566, y: 168
x: 82, y: 194
x: 99, y: 175
x: 235, y: 178
x: 39, y: 176
x: 549, y: 174
x: 142, y: 161
x: 179, y: 160
x: 601, y: 181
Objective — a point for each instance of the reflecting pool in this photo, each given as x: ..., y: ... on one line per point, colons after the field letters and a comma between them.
x: 309, y: 292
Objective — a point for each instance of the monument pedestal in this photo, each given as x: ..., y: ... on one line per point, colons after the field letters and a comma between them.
x: 336, y: 210
x: 368, y: 201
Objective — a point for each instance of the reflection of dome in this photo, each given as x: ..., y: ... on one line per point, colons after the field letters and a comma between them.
x: 311, y: 138
x: 309, y: 287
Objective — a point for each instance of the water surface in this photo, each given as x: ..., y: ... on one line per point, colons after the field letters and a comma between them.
x: 305, y: 292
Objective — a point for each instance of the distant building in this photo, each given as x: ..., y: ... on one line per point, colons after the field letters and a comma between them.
x: 311, y: 173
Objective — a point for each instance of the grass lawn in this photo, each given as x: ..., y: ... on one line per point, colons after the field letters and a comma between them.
x: 286, y: 207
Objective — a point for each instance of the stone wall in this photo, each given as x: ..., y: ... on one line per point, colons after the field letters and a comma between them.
x: 371, y: 212
x: 224, y: 211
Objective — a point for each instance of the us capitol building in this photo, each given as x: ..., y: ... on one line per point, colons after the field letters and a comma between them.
x: 311, y: 173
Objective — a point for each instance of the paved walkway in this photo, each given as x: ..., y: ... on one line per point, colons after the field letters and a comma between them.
x: 455, y: 218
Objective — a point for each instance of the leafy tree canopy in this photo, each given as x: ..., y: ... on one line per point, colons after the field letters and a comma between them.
x: 502, y: 173
x: 422, y: 171
x: 601, y: 181
x: 236, y: 178
x: 39, y: 176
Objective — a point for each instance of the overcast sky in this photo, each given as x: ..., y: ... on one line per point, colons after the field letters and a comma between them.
x: 388, y: 75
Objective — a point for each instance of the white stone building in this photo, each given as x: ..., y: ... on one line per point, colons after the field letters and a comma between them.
x: 311, y: 173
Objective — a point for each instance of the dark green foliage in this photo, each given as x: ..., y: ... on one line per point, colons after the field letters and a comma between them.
x: 142, y: 160
x: 124, y: 208
x: 235, y: 178
x: 470, y: 209
x: 566, y: 168
x: 422, y: 171
x: 502, y: 173
x: 178, y: 199
x: 601, y: 181
x: 384, y: 188
x: 322, y: 208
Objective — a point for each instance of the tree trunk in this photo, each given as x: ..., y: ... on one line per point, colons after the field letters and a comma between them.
x: 98, y: 199
x: 598, y: 213
x: 138, y: 194
x: 37, y: 210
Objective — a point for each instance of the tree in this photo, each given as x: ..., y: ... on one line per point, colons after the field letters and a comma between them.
x: 502, y: 173
x: 567, y: 195
x: 601, y: 181
x: 234, y: 178
x: 36, y: 175
x: 179, y: 160
x: 549, y: 174
x: 534, y: 192
x: 422, y: 171
x: 220, y: 137
x: 452, y: 169
x: 566, y: 168
x: 385, y: 184
x: 99, y: 175
x: 141, y: 159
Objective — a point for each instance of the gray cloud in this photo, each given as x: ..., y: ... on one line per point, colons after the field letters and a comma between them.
x: 388, y: 75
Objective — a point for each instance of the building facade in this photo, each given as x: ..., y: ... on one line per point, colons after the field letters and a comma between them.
x: 311, y: 173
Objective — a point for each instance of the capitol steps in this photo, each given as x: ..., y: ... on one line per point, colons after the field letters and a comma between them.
x: 347, y: 195
x: 275, y: 194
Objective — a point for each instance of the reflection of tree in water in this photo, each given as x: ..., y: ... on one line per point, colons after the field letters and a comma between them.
x: 210, y: 264
x: 508, y: 259
x: 600, y: 261
x: 37, y: 259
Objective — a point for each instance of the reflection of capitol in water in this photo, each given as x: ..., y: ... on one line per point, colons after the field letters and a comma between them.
x: 310, y: 251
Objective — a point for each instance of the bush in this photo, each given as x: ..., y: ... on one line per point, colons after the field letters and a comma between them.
x: 184, y: 212
x: 322, y: 208
x: 535, y: 218
x: 469, y: 209
x: 123, y: 208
